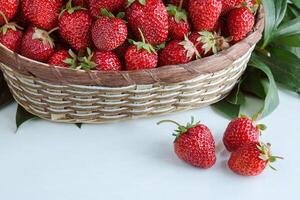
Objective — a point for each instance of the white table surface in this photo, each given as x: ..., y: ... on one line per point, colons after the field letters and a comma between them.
x: 135, y: 160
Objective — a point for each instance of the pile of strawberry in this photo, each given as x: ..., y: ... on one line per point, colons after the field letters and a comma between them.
x: 195, y: 145
x: 123, y: 34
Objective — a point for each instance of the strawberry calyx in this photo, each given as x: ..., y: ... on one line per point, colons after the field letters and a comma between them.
x: 44, y: 36
x: 72, y: 61
x: 178, y: 13
x: 86, y: 62
x: 142, y: 44
x: 180, y: 128
x: 8, y: 25
x: 266, y: 154
x: 190, y: 48
x: 70, y: 9
x: 143, y: 2
x: 213, y: 42
x: 106, y: 13
x: 259, y: 127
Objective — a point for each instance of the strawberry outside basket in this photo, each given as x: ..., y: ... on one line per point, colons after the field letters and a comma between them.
x: 65, y: 95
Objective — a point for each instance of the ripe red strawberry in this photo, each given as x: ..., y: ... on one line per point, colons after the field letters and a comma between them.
x: 178, y: 23
x: 108, y: 32
x: 95, y: 6
x: 151, y: 17
x: 240, y: 22
x: 63, y: 58
x: 74, y: 27
x: 37, y: 44
x: 228, y: 5
x: 42, y: 13
x: 8, y: 8
x: 208, y: 43
x: 241, y: 131
x: 107, y: 61
x: 100, y: 60
x: 251, y: 159
x: 178, y: 52
x: 11, y: 35
x: 204, y: 14
x: 194, y: 144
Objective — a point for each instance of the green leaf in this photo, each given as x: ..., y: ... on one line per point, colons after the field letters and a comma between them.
x: 252, y: 83
x: 23, y: 116
x: 227, y: 109
x: 79, y: 125
x: 289, y: 28
x: 274, y: 13
x: 293, y: 41
x: 272, y: 99
x: 236, y: 97
x: 296, y: 3
x: 5, y: 96
x: 285, y: 67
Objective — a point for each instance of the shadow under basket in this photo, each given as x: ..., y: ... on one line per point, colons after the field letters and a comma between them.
x: 65, y: 95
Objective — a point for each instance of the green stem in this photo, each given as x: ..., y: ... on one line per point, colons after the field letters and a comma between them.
x: 4, y: 17
x: 180, y: 5
x: 168, y: 121
x: 142, y: 35
x: 51, y: 31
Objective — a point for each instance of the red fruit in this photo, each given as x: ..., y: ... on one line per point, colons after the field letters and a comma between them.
x: 111, y: 5
x: 251, y: 159
x: 178, y: 24
x: 204, y: 14
x: 121, y: 50
x: 74, y: 27
x: 37, y: 44
x: 228, y: 5
x: 151, y: 18
x: 208, y: 43
x: 8, y: 8
x: 63, y: 58
x: 42, y: 13
x: 241, y: 131
x: 11, y: 36
x: 194, y: 144
x: 240, y: 22
x: 178, y: 52
x: 107, y: 61
x: 108, y: 32
x: 141, y: 55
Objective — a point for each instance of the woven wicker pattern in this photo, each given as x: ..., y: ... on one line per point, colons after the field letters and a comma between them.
x: 88, y: 104
x: 66, y: 95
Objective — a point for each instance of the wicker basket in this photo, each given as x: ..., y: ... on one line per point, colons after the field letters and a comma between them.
x: 66, y: 95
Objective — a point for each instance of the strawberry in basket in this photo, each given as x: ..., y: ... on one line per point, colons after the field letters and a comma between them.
x: 8, y: 8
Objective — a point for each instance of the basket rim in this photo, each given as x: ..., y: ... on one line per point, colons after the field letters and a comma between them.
x: 167, y: 74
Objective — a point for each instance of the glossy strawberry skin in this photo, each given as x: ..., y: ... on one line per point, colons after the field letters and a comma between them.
x: 9, y: 9
x: 240, y: 22
x: 95, y: 6
x: 240, y: 131
x: 228, y: 5
x: 196, y: 147
x: 58, y: 58
x: 245, y: 161
x: 75, y: 29
x: 139, y: 59
x: 152, y: 19
x: 42, y: 13
x: 34, y: 48
x: 11, y: 39
x: 204, y: 14
x: 177, y: 31
x: 109, y: 33
x: 173, y: 54
x: 107, y: 61
x: 82, y: 3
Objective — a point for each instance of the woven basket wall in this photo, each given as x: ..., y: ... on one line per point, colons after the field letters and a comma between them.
x: 66, y: 95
